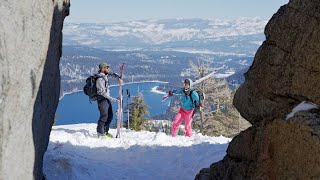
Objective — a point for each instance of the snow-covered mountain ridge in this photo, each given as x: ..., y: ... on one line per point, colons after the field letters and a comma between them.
x: 150, y: 48
x: 137, y: 34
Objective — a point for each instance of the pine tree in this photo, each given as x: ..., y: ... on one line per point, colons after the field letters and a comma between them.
x: 138, y: 110
x: 217, y: 90
x: 218, y: 114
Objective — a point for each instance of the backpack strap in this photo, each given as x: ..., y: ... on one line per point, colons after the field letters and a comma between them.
x: 97, y: 76
x: 195, y: 109
x: 194, y: 102
x: 192, y: 98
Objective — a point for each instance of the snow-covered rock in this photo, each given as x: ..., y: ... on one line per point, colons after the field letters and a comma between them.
x: 303, y: 106
x: 75, y: 152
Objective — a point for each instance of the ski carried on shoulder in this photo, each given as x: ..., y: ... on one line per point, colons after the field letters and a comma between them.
x: 204, y: 78
x: 120, y: 112
x: 165, y: 97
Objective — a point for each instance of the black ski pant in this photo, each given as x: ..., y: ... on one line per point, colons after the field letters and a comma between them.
x: 106, y: 116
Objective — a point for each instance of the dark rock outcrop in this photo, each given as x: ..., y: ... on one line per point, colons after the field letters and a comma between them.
x: 285, y: 72
x: 278, y: 150
x: 30, y: 51
x: 286, y: 67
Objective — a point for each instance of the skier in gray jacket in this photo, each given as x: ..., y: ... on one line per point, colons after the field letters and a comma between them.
x: 104, y: 99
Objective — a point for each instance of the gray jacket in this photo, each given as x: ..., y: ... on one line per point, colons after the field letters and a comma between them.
x: 103, y: 85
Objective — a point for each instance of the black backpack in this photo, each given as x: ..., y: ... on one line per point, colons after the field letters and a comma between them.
x: 90, y: 89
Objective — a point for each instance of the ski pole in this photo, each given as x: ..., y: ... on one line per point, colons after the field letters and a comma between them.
x: 128, y: 110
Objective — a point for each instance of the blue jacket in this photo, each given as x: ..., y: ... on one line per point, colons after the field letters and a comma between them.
x: 186, y: 102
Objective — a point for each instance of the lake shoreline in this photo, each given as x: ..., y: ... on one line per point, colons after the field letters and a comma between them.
x: 75, y: 108
x: 139, y: 82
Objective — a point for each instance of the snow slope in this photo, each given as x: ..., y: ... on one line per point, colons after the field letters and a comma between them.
x: 74, y: 152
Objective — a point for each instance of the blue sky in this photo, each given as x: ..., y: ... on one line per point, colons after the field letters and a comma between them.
x: 126, y: 10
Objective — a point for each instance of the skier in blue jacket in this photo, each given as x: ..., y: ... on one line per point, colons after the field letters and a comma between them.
x: 188, y: 100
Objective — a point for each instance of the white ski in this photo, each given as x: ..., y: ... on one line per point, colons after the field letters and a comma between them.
x: 120, y: 113
x: 204, y: 78
x: 165, y: 97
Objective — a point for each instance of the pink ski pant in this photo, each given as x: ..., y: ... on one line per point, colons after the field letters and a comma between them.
x: 185, y: 115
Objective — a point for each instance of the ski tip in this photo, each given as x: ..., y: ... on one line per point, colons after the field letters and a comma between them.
x: 164, y: 99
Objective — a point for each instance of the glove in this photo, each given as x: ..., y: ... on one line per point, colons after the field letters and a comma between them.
x: 120, y: 82
x: 115, y: 99
x: 201, y: 108
x: 116, y: 74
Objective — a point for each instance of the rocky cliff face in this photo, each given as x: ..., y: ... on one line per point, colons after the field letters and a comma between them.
x: 30, y: 50
x: 286, y: 71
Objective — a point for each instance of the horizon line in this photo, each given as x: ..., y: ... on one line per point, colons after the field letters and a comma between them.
x: 150, y: 19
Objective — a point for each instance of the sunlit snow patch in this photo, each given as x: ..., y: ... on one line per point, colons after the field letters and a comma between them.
x: 303, y: 106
